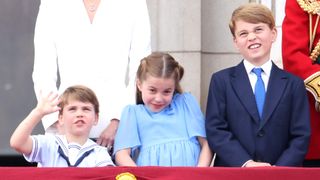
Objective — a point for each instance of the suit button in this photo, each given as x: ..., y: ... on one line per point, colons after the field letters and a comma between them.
x: 261, y: 133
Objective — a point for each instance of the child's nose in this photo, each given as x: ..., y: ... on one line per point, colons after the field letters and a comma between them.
x: 158, y: 97
x: 252, y: 36
x: 79, y: 113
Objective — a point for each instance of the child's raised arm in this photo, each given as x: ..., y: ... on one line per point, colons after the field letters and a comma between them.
x: 21, y: 139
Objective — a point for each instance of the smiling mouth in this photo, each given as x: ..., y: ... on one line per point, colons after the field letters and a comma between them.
x: 254, y: 46
x: 157, y: 106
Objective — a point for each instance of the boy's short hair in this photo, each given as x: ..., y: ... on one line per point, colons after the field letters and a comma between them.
x: 79, y: 93
x: 252, y: 13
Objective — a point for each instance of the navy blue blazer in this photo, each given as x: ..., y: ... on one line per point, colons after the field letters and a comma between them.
x: 233, y: 126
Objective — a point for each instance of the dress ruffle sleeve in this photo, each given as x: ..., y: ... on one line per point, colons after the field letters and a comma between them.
x: 127, y: 134
x: 195, y: 119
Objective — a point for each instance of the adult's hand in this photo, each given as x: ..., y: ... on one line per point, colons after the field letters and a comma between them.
x: 107, y: 136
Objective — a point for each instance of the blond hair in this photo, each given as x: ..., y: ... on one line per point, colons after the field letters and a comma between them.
x: 79, y: 93
x: 251, y: 13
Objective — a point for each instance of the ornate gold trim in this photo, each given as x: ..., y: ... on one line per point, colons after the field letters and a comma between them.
x: 312, y: 7
x: 312, y: 84
x: 315, y: 52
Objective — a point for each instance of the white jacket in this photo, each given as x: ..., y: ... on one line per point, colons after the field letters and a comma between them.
x: 103, y: 55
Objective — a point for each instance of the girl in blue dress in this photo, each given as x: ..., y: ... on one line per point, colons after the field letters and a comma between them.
x: 166, y: 127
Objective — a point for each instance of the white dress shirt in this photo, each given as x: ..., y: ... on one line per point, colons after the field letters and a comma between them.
x: 265, y: 75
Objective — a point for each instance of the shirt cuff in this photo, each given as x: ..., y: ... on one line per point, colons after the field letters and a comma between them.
x: 245, y: 164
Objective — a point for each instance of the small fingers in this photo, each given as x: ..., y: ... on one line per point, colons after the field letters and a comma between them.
x: 52, y: 96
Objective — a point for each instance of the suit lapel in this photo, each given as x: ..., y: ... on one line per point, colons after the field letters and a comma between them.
x: 276, y: 86
x: 241, y: 85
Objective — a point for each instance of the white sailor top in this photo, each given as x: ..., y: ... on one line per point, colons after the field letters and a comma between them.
x: 54, y: 151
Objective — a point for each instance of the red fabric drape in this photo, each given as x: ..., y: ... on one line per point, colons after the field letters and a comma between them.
x: 157, y: 173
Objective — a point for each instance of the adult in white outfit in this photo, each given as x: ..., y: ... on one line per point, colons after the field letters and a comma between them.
x: 96, y: 43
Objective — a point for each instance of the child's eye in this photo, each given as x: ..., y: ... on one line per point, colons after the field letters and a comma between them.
x: 72, y: 109
x: 87, y: 109
x: 167, y: 92
x: 243, y: 34
x: 258, y: 30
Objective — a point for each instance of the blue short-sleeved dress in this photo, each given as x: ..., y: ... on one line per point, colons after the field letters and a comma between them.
x: 165, y: 138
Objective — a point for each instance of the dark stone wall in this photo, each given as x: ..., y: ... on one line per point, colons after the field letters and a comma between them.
x: 17, y: 21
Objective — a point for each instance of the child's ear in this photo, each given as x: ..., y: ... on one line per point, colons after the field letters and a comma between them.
x: 96, y: 119
x: 275, y: 34
x: 235, y: 43
x: 60, y: 119
x: 138, y: 82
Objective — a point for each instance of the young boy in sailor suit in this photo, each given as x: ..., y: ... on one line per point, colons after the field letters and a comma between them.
x: 78, y: 111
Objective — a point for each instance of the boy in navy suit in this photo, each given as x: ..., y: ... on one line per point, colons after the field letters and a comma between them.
x: 257, y: 114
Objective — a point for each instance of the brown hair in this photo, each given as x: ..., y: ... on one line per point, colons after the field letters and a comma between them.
x: 159, y: 65
x: 252, y: 13
x: 79, y: 93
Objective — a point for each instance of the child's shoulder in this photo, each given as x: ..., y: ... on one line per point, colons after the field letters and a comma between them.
x: 188, y: 103
x: 133, y: 108
x: 100, y: 154
x: 224, y: 72
x: 92, y: 145
x: 185, y: 97
x: 46, y: 137
x: 291, y: 75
